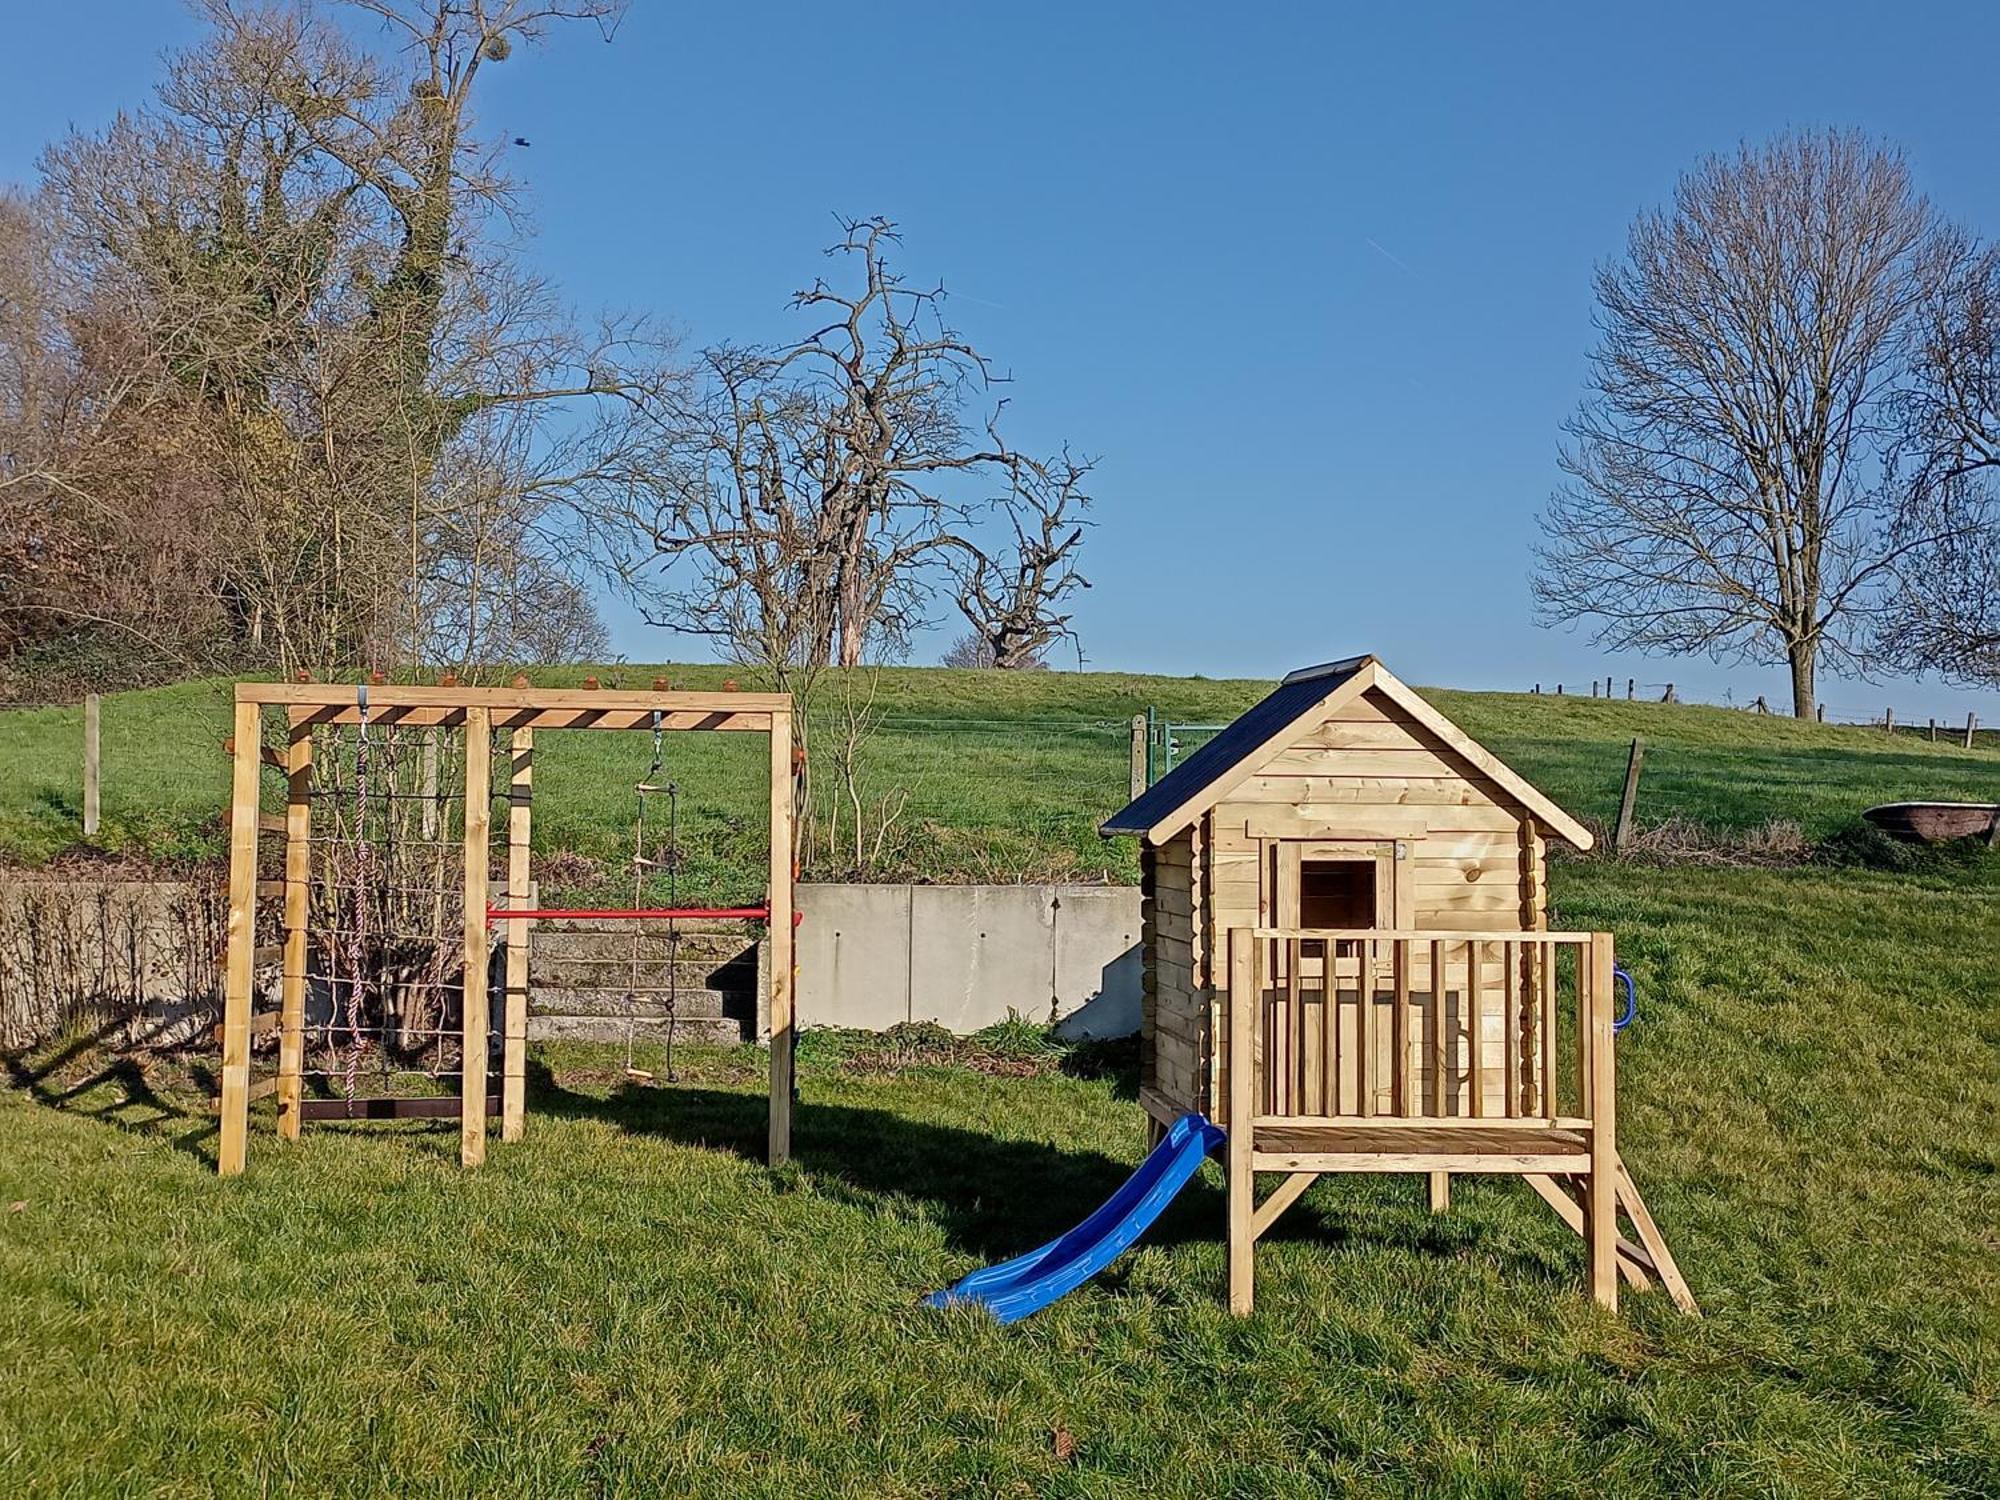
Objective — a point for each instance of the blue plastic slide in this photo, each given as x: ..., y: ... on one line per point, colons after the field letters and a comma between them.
x: 1028, y: 1283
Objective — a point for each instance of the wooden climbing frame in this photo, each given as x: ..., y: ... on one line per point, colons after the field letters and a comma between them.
x: 480, y: 713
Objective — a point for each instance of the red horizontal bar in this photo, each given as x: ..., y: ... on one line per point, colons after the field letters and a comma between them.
x: 615, y: 913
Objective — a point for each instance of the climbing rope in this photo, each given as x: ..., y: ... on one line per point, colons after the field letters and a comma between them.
x: 651, y: 785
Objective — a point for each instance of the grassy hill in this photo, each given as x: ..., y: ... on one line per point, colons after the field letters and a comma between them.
x: 626, y: 1303
x: 1006, y: 775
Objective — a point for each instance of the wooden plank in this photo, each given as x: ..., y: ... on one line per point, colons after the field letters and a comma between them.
x: 1439, y: 1008
x: 532, y: 718
x: 1245, y: 987
x: 1331, y: 786
x: 93, y: 763
x: 1601, y: 1200
x: 514, y: 1027
x: 1655, y: 1243
x: 298, y: 903
x: 427, y: 1107
x: 1364, y: 1067
x: 234, y: 1134
x: 1282, y: 1197
x: 262, y: 1088
x: 1570, y: 1212
x: 1475, y: 1027
x: 1402, y: 1098
x: 495, y: 700
x: 1510, y: 1037
x: 263, y: 1023
x: 782, y: 872
x: 477, y: 1018
x: 1435, y: 1163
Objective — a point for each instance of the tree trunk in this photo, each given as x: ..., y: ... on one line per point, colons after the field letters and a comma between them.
x: 1804, y: 658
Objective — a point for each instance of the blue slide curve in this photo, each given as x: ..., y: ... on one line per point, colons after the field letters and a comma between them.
x: 1028, y: 1283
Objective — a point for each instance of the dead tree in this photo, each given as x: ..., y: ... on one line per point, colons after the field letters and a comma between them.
x: 1724, y: 488
x: 1013, y: 600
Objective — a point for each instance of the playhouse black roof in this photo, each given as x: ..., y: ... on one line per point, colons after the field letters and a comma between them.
x: 1248, y: 734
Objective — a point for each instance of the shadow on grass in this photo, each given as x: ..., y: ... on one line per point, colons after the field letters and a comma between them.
x: 993, y: 1197
x: 118, y: 1093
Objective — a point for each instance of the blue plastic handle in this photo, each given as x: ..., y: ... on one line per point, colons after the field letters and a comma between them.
x: 1629, y: 1012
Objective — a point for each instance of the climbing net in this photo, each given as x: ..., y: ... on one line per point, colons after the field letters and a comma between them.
x: 384, y: 971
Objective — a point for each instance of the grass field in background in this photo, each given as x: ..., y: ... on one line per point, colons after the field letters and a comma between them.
x: 1007, y: 774
x: 628, y: 1304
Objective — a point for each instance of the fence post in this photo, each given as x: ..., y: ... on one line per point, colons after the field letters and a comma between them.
x: 1970, y: 720
x: 1631, y: 688
x: 1621, y: 833
x: 1668, y: 696
x: 1889, y: 718
x: 1138, y: 755
x: 1819, y: 713
x: 93, y: 763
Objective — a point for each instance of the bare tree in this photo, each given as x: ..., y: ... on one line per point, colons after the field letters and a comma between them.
x: 290, y: 279
x: 804, y: 502
x: 1012, y: 600
x: 1727, y: 488
x: 1944, y: 614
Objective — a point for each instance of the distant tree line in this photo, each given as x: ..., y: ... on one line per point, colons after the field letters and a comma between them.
x: 276, y: 391
x: 1788, y: 448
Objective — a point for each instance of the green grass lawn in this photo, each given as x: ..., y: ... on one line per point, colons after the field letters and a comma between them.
x: 1007, y: 774
x: 628, y: 1304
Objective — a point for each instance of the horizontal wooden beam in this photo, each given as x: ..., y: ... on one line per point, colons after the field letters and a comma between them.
x: 433, y: 1107
x: 1422, y: 934
x: 502, y: 699
x: 754, y: 722
x: 1418, y: 1161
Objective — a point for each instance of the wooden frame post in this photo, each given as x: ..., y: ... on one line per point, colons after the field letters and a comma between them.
x: 238, y: 971
x: 783, y: 1023
x: 514, y: 1035
x: 298, y: 893
x: 478, y: 830
x: 1245, y: 985
x: 93, y: 762
x: 1601, y: 1190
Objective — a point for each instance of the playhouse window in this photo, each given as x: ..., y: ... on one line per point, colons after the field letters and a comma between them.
x: 1337, y: 893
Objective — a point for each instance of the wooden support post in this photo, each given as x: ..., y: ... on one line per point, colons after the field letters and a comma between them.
x: 478, y: 829
x: 1440, y: 1192
x: 514, y: 1032
x: 1138, y: 755
x: 1601, y: 1195
x: 93, y: 763
x: 1245, y: 984
x: 1889, y: 718
x: 1621, y: 834
x: 240, y: 963
x: 783, y: 1027
x: 1631, y: 688
x: 298, y: 903
x: 1970, y: 721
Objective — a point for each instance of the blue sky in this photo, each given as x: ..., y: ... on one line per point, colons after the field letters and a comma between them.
x: 1313, y: 280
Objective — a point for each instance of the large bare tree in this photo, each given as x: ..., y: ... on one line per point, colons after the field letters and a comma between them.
x: 806, y: 501
x: 1013, y: 596
x: 1727, y: 486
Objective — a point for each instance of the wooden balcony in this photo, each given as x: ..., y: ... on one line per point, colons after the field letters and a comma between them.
x: 1438, y: 1052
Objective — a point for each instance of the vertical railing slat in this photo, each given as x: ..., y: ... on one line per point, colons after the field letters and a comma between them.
x: 1437, y: 1027
x: 1475, y: 1028
x: 1546, y: 975
x: 1510, y: 1021
x: 1364, y: 1029
x: 1399, y: 1029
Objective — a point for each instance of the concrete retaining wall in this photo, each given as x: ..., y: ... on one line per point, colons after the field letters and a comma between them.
x: 143, y: 956
x: 965, y: 956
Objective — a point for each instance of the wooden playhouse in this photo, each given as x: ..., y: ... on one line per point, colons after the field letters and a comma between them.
x: 1349, y: 880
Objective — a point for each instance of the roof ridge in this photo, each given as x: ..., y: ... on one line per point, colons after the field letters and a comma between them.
x: 1329, y: 668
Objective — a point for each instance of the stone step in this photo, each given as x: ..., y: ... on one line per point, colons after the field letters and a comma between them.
x: 594, y: 975
x: 608, y: 943
x: 699, y: 1029
x: 555, y: 1000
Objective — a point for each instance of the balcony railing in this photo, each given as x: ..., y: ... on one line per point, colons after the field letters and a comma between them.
x: 1432, y: 1026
